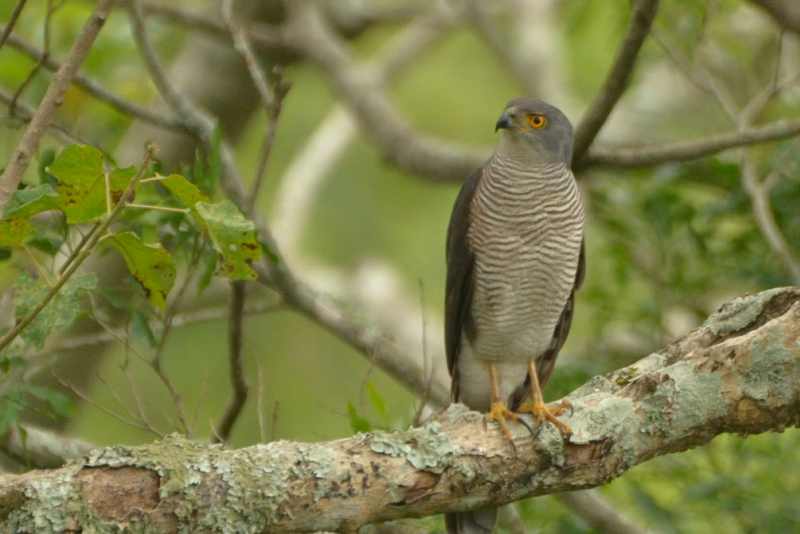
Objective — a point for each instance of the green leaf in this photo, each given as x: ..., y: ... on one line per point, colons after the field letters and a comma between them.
x: 47, y: 244
x: 15, y: 232
x: 185, y: 191
x: 150, y: 265
x: 357, y: 422
x: 234, y: 238
x: 32, y: 200
x: 82, y: 184
x: 59, y: 313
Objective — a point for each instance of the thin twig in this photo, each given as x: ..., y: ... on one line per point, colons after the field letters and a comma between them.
x: 45, y: 54
x: 169, y: 315
x: 85, y: 398
x: 688, y: 150
x: 427, y: 369
x: 80, y: 256
x: 25, y: 113
x: 12, y: 21
x: 27, y: 146
x: 593, y: 508
x: 179, y: 320
x: 187, y: 112
x: 273, y: 428
x: 262, y: 429
x: 644, y: 11
x: 272, y: 94
x: 95, y: 89
x: 758, y: 191
x: 236, y: 357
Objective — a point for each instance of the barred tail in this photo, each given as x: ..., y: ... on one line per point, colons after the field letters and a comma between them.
x: 479, y: 521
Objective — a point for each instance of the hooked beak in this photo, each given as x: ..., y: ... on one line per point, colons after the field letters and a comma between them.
x: 504, y: 122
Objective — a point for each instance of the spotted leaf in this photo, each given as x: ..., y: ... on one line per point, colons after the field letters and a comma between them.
x: 150, y: 264
x: 234, y: 238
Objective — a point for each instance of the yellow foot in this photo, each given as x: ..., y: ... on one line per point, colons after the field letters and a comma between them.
x: 500, y: 413
x: 541, y: 413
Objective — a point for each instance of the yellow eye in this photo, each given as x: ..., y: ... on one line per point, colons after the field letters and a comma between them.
x: 537, y: 121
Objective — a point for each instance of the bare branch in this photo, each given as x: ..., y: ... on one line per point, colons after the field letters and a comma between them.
x: 271, y: 93
x: 86, y: 341
x: 95, y: 89
x: 644, y: 11
x: 689, y: 150
x: 357, y: 86
x: 25, y: 113
x: 739, y: 372
x: 235, y: 350
x: 786, y: 13
x: 12, y: 21
x: 481, y: 18
x: 27, y: 146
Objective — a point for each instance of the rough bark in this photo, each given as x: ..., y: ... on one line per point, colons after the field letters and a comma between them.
x: 739, y: 372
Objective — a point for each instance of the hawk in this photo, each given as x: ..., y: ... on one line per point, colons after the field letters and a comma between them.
x: 515, y: 257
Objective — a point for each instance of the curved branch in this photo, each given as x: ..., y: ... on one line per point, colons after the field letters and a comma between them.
x: 739, y: 372
x: 644, y: 11
x: 359, y: 88
x: 785, y: 13
x: 688, y: 150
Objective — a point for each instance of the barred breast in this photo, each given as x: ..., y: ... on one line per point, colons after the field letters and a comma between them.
x: 525, y: 231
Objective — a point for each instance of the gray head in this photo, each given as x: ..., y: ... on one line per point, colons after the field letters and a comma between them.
x: 535, y: 130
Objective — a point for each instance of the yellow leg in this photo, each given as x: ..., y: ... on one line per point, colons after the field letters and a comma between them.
x: 542, y: 412
x: 499, y: 412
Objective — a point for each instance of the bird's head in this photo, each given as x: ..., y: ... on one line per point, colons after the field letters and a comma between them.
x: 536, y: 130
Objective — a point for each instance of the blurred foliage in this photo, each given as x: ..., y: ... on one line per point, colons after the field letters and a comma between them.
x: 666, y: 245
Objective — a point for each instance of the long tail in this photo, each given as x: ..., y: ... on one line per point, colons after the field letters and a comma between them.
x: 479, y: 521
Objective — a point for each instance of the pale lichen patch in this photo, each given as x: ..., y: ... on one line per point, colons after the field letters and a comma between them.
x: 424, y: 448
x: 51, y: 504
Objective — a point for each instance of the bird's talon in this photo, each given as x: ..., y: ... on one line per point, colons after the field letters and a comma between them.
x: 561, y: 407
x: 500, y: 413
x: 541, y: 413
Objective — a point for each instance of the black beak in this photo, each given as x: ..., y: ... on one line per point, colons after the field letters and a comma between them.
x: 504, y: 122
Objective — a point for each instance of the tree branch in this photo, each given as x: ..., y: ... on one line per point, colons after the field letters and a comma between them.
x: 96, y: 90
x: 12, y: 21
x: 596, y: 511
x: 236, y: 357
x: 19, y: 160
x: 785, y: 13
x: 644, y: 11
x: 359, y: 88
x: 689, y: 150
x: 739, y: 372
x: 41, y: 448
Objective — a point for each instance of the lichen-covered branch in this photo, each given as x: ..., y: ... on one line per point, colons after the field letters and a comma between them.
x: 739, y: 372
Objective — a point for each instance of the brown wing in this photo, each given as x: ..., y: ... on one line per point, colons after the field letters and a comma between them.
x: 458, y: 292
x: 547, y: 362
